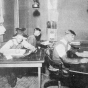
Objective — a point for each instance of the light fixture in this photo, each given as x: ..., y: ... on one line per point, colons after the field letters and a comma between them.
x: 36, y: 4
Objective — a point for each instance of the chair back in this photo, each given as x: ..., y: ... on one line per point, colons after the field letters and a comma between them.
x: 53, y: 63
x: 60, y: 69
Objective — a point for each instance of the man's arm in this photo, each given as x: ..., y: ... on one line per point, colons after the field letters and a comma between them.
x: 28, y: 45
x: 70, y: 61
x: 7, y: 45
x: 74, y: 61
x: 82, y: 54
x: 63, y: 55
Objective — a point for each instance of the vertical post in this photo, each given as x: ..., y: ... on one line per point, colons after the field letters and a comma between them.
x: 1, y: 12
x: 59, y: 84
x: 39, y: 77
x: 16, y: 14
x: 1, y: 18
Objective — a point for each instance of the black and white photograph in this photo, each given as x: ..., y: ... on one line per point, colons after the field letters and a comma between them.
x: 43, y: 43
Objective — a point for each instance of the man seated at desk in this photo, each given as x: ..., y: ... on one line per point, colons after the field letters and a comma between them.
x: 61, y: 48
x: 17, y: 42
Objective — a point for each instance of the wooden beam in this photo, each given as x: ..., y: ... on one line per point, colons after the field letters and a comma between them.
x: 16, y: 14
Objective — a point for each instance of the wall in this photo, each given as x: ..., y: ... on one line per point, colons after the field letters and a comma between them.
x: 27, y: 19
x: 73, y: 14
x: 8, y: 19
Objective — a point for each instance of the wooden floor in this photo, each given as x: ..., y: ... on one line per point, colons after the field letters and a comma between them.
x: 24, y: 82
x: 30, y: 81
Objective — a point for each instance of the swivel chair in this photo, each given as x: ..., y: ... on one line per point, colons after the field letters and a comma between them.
x: 57, y: 73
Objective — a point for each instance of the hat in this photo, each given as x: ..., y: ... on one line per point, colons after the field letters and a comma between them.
x: 70, y: 32
x: 19, y: 36
x: 21, y: 29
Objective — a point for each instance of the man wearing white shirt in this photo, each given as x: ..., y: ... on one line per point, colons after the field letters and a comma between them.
x: 17, y: 42
x: 14, y: 44
x: 61, y: 48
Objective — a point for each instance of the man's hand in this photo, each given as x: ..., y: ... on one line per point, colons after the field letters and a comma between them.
x: 27, y: 53
x: 33, y: 49
x: 79, y: 54
x: 30, y: 51
x: 82, y: 54
x: 84, y: 60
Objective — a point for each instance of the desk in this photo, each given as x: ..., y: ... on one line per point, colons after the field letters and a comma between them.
x: 11, y: 64
x: 79, y: 68
x: 78, y: 74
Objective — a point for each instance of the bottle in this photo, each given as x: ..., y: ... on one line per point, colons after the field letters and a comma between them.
x: 48, y: 24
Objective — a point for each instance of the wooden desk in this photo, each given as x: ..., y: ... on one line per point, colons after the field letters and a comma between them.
x: 10, y: 64
x: 79, y: 68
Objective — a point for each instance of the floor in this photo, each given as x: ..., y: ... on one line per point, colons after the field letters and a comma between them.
x: 24, y: 82
x: 30, y: 81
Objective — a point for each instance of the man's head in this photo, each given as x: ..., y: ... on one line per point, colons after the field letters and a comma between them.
x: 19, y: 38
x: 37, y: 31
x: 70, y: 35
x: 20, y: 30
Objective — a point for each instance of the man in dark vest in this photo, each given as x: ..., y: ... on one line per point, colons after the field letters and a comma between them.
x: 61, y: 48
